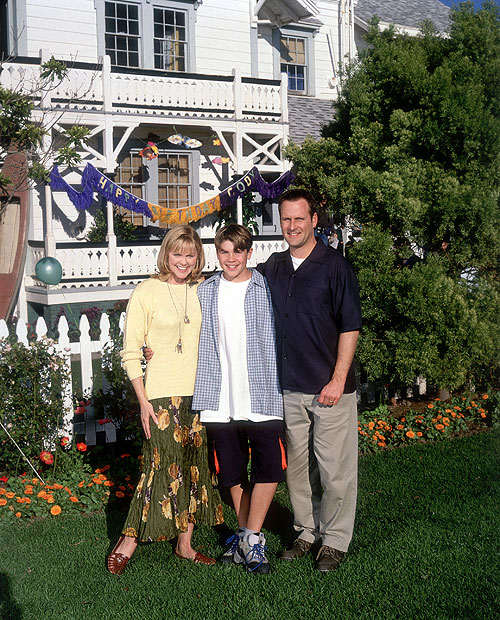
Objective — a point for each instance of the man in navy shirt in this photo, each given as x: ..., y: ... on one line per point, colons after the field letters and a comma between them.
x: 318, y: 318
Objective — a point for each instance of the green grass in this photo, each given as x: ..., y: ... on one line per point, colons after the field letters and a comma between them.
x: 426, y: 546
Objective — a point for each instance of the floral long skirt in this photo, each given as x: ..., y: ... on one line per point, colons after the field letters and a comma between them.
x: 175, y: 487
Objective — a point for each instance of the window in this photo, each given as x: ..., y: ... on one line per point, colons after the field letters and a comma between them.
x: 129, y: 177
x: 122, y: 38
x: 170, y: 40
x: 294, y: 63
x: 148, y: 34
x: 174, y: 183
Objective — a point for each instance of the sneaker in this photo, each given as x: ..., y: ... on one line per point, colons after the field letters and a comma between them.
x: 251, y: 553
x: 299, y: 548
x: 328, y: 559
x: 232, y: 544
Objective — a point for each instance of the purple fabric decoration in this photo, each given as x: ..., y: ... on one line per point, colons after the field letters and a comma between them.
x: 253, y: 181
x: 95, y: 181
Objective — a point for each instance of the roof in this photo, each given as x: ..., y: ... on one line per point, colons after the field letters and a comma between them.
x: 306, y: 116
x: 405, y: 12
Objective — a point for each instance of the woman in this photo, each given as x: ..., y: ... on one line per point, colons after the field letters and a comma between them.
x: 175, y: 490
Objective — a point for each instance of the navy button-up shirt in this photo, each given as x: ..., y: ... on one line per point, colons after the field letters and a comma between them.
x: 312, y: 306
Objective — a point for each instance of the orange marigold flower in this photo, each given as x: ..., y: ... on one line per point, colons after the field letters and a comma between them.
x: 68, y: 490
x: 34, y: 480
x: 410, y: 434
x: 55, y: 510
x: 42, y: 494
x: 430, y: 406
x: 483, y: 415
x: 437, y: 399
x: 453, y: 414
x: 109, y: 483
x: 485, y: 396
x: 20, y: 500
x: 124, y: 456
x: 473, y: 403
x: 49, y: 499
x: 400, y: 427
x: 82, y: 447
x: 371, y: 425
x: 403, y: 419
x: 58, y: 486
x: 2, y: 491
x: 446, y: 420
x: 419, y: 434
x: 9, y: 494
x: 3, y: 501
x: 439, y: 427
x: 28, y: 490
x: 73, y: 499
x: 18, y: 514
x: 120, y: 494
x: 105, y: 468
x: 98, y: 471
x: 122, y: 488
x: 448, y: 410
x: 97, y: 480
x: 27, y: 500
x: 80, y: 484
x: 381, y: 444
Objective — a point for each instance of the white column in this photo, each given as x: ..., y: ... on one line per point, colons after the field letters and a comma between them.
x: 110, y: 167
x: 238, y: 137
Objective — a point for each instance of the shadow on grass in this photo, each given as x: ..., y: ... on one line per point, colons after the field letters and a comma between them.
x: 8, y: 606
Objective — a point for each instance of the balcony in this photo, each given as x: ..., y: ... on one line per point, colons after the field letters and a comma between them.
x: 86, y: 268
x: 167, y: 95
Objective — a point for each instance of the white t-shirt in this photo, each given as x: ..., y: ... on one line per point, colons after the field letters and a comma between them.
x: 234, y: 402
x: 297, y: 262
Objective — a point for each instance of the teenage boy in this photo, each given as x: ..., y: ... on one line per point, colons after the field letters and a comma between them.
x: 238, y: 393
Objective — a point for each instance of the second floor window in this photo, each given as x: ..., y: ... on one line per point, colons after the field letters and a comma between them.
x: 293, y: 62
x: 122, y: 37
x: 170, y: 40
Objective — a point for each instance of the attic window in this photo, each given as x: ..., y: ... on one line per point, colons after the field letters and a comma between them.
x: 293, y: 62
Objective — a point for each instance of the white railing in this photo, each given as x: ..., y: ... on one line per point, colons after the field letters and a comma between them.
x: 96, y: 87
x: 81, y: 374
x: 87, y: 265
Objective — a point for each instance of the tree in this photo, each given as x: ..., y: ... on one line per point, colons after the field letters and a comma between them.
x: 20, y: 132
x: 413, y: 154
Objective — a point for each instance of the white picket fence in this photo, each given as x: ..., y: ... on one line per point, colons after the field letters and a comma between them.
x: 84, y: 351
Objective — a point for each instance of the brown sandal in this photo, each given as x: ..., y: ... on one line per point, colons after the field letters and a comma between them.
x: 199, y: 558
x: 117, y: 561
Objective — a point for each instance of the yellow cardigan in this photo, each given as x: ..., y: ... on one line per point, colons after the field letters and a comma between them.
x: 153, y: 319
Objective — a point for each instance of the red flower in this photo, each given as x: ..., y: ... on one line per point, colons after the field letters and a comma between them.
x: 82, y: 447
x: 46, y: 457
x: 4, y: 479
x: 64, y: 441
x: 101, y: 422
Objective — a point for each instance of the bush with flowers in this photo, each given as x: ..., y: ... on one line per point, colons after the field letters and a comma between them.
x: 68, y: 483
x: 378, y: 429
x: 32, y: 380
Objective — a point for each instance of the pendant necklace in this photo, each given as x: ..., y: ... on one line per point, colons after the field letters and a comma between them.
x: 182, y: 322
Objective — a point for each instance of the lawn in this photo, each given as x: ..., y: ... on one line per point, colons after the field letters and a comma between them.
x: 426, y: 546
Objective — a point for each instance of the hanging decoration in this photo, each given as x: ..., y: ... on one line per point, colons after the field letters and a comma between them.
x: 150, y: 151
x: 95, y: 181
x: 189, y: 143
x: 221, y: 160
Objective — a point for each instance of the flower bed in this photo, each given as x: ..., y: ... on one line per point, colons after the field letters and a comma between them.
x: 378, y: 430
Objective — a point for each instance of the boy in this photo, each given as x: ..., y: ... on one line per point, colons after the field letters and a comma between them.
x: 238, y: 394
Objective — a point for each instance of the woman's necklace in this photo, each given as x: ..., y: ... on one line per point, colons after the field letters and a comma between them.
x: 178, y: 346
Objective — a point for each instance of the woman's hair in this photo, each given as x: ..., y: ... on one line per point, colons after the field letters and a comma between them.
x: 178, y: 239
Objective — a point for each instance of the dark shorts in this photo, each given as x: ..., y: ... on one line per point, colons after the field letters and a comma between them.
x: 231, y: 444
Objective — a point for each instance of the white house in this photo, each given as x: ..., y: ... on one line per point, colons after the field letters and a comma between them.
x: 238, y: 77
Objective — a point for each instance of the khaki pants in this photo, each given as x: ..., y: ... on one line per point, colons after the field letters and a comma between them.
x: 322, y: 474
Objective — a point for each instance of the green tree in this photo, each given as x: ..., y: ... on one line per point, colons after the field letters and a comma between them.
x: 413, y: 154
x: 21, y: 132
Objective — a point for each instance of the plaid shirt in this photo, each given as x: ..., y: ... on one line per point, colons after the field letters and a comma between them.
x: 265, y: 391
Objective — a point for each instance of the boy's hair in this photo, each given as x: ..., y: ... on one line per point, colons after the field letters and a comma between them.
x: 180, y: 238
x: 240, y: 237
x: 296, y: 194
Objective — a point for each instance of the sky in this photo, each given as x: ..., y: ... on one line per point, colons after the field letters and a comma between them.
x: 477, y: 3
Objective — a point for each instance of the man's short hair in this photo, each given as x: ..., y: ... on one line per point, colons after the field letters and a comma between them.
x: 240, y: 237
x: 296, y: 194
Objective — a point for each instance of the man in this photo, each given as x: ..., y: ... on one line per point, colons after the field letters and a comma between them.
x: 318, y: 318
x: 238, y: 393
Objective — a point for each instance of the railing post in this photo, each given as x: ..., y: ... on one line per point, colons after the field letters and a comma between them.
x: 45, y: 103
x: 238, y: 136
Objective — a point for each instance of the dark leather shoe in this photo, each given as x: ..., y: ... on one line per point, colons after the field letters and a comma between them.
x: 299, y: 548
x: 328, y: 559
x: 117, y: 562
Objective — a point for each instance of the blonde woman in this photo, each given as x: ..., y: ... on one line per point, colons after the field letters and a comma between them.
x: 175, y: 489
